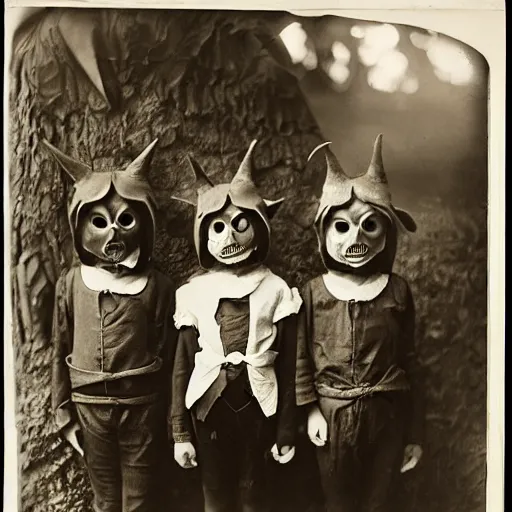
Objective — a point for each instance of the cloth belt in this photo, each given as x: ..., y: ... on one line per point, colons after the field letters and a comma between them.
x: 110, y: 400
x: 80, y: 377
x: 127, y: 387
x: 393, y: 380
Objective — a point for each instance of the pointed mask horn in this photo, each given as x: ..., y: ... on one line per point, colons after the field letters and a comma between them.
x: 139, y: 168
x: 244, y: 173
x: 76, y: 170
x: 318, y: 148
x: 376, y: 169
x: 202, y: 181
x: 184, y: 200
x: 334, y: 169
x: 272, y: 206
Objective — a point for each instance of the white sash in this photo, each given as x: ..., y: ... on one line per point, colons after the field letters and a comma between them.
x: 270, y: 300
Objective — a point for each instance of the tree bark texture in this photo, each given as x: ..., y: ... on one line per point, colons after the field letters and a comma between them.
x: 100, y: 85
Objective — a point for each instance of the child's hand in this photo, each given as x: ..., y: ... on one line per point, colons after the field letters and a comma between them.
x: 70, y: 432
x: 412, y: 455
x: 185, y: 455
x: 286, y: 454
x: 317, y: 426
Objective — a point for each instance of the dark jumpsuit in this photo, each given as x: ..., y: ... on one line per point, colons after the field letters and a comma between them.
x: 232, y: 435
x: 358, y: 359
x: 111, y: 367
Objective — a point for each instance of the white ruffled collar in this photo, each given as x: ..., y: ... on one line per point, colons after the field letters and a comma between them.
x: 100, y: 280
x: 228, y: 284
x: 344, y: 288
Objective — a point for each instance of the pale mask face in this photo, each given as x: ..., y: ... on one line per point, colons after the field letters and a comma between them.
x: 231, y: 236
x: 111, y: 230
x: 356, y: 234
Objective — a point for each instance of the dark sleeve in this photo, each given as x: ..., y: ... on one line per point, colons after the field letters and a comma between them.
x: 62, y: 334
x: 170, y: 338
x: 305, y: 387
x: 286, y: 339
x: 413, y: 369
x: 181, y: 425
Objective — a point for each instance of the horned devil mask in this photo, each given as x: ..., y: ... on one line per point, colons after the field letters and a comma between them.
x: 356, y: 223
x: 111, y: 213
x: 232, y: 220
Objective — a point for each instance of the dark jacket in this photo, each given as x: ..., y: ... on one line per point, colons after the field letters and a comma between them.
x: 110, y: 347
x: 348, y: 349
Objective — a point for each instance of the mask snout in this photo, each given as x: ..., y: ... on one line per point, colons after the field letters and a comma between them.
x: 114, y: 248
x: 115, y: 251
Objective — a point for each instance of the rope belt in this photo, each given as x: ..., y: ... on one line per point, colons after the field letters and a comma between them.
x: 393, y: 380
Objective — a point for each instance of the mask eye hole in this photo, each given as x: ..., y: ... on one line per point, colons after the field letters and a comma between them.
x: 126, y: 220
x: 341, y: 226
x: 218, y: 226
x: 240, y: 223
x: 370, y: 225
x: 99, y: 221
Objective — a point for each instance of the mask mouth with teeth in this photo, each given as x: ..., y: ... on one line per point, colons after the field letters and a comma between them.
x: 356, y: 251
x: 232, y: 222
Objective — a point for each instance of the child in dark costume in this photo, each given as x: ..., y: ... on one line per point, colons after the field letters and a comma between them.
x: 234, y: 373
x: 113, y: 335
x: 357, y: 370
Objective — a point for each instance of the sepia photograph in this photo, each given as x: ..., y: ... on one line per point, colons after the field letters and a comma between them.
x: 248, y: 262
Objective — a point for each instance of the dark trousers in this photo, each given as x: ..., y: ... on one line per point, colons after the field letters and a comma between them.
x: 233, y: 455
x: 122, y: 444
x: 360, y: 463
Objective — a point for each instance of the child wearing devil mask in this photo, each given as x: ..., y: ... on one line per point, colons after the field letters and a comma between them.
x: 357, y: 372
x: 113, y: 335
x: 234, y: 372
